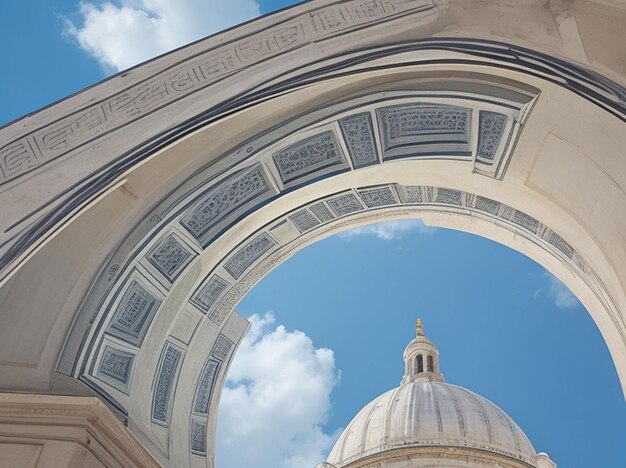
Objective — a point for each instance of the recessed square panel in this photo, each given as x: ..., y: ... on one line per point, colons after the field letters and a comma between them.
x: 321, y: 212
x: 222, y: 347
x: 304, y: 220
x: 311, y: 157
x: 425, y: 130
x: 358, y: 133
x: 115, y: 367
x: 227, y: 201
x: 487, y: 205
x: 411, y: 194
x: 209, y: 292
x: 247, y: 255
x: 170, y: 256
x: 208, y: 377
x: 375, y: 197
x: 197, y: 434
x: 490, y: 130
x: 448, y: 196
x: 165, y: 380
x: 134, y: 313
x: 345, y: 204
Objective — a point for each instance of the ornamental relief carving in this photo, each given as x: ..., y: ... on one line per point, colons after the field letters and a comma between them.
x: 171, y: 358
x: 491, y: 128
x: 438, y: 198
x: 249, y: 254
x: 193, y: 74
x: 358, y: 132
x: 425, y: 129
x: 204, y: 388
x: 170, y: 256
x: 378, y: 196
x: 224, y: 198
x: 219, y: 203
x: 198, y: 437
x: 209, y: 292
x: 308, y: 156
x: 304, y: 220
x: 116, y: 364
x: 134, y: 313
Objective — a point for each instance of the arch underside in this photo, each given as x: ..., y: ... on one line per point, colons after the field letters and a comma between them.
x: 211, y: 166
x: 178, y: 267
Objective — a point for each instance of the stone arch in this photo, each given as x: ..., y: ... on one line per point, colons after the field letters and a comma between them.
x: 198, y: 172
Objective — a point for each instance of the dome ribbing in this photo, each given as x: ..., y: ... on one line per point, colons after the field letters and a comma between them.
x: 425, y: 412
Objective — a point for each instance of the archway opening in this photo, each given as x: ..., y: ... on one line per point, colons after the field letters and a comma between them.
x: 506, y: 329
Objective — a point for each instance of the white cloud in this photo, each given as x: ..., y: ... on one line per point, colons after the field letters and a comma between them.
x: 122, y: 34
x: 389, y: 230
x: 558, y: 292
x: 276, y: 400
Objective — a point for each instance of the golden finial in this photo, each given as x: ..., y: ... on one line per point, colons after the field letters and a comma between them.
x: 418, y: 327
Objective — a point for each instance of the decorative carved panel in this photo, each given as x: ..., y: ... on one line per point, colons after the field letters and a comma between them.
x: 248, y: 254
x: 170, y: 256
x: 321, y: 211
x: 198, y: 437
x: 490, y: 129
x: 304, y: 220
x: 230, y: 196
x: 433, y: 130
x: 378, y: 196
x: 558, y: 242
x: 309, y: 157
x: 167, y: 374
x: 358, y: 132
x: 448, y: 196
x: 204, y: 389
x: 410, y: 194
x: 134, y: 313
x: 345, y: 204
x: 222, y: 347
x: 115, y: 367
x: 209, y: 292
x: 487, y: 205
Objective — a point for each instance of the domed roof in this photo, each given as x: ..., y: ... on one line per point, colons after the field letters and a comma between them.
x: 429, y: 413
x: 426, y: 412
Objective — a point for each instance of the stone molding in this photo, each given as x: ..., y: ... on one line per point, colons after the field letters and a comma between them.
x: 85, y: 421
x: 428, y: 456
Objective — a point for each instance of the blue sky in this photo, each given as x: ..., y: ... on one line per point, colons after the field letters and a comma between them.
x: 43, y: 62
x: 505, y: 328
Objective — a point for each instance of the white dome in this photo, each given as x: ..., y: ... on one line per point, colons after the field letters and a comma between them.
x: 430, y: 413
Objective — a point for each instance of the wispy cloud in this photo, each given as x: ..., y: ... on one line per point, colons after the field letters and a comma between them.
x: 124, y: 33
x: 557, y: 292
x: 276, y: 400
x: 389, y: 230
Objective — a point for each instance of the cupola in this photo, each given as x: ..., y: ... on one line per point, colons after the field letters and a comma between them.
x: 421, y: 359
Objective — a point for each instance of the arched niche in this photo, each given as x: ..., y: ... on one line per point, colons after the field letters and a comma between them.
x: 139, y: 212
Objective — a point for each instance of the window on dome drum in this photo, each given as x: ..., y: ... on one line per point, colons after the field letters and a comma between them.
x: 419, y: 364
x: 429, y: 363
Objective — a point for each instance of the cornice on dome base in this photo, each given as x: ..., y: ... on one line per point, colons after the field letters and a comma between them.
x: 450, y: 457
